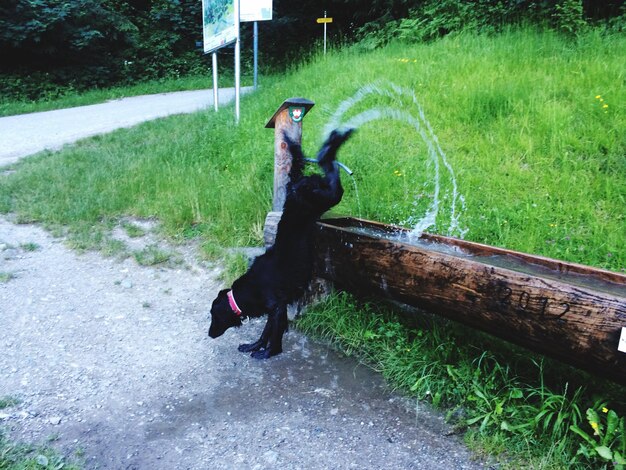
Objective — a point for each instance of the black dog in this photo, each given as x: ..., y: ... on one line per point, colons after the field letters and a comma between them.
x: 279, y: 276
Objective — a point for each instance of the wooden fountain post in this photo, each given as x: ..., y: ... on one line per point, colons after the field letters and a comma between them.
x: 286, y: 120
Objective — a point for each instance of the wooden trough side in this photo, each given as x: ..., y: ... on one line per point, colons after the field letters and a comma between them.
x: 572, y: 312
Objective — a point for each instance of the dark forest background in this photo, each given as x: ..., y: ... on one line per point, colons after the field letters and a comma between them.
x: 48, y: 47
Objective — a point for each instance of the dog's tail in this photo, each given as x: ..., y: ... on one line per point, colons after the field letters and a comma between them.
x: 298, y: 159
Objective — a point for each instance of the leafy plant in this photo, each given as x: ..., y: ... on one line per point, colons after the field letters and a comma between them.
x: 608, y: 441
x: 568, y: 16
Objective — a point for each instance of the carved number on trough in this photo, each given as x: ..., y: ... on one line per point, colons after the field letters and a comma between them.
x: 524, y: 299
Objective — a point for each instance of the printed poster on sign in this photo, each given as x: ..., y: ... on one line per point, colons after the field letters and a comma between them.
x: 218, y: 24
x: 255, y: 10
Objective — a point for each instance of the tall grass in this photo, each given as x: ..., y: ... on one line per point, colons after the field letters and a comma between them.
x: 538, y: 158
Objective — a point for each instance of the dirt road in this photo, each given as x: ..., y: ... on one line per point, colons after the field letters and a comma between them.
x: 26, y: 134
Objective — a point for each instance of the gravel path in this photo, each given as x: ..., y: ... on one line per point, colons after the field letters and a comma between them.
x: 26, y: 134
x: 111, y: 361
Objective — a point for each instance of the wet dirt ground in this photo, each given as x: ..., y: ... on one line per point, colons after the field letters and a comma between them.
x: 112, y: 365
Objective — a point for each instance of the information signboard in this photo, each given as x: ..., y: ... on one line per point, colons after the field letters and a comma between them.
x: 218, y: 24
x: 255, y: 10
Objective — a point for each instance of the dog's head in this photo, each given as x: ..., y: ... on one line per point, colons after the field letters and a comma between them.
x: 222, y: 315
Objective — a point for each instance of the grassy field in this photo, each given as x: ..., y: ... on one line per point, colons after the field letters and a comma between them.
x: 533, y: 126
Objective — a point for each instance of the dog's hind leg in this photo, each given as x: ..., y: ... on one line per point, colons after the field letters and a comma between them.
x: 332, y: 192
x: 328, y: 152
x: 279, y: 323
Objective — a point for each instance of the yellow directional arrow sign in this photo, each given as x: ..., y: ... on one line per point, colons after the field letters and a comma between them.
x: 324, y: 20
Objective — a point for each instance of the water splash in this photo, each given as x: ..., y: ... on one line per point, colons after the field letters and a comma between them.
x: 356, y: 193
x: 415, y: 117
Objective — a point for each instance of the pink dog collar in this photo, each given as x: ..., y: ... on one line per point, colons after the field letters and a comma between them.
x: 233, y: 303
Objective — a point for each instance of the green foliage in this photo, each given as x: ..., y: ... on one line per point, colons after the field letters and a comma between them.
x: 433, y: 19
x: 568, y: 16
x: 234, y: 265
x: 57, y: 46
x: 17, y: 456
x: 607, y: 444
x: 53, y: 47
x: 48, y: 43
x: 152, y: 255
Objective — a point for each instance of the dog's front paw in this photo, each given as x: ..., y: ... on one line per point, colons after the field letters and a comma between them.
x: 261, y: 354
x: 246, y: 348
x: 264, y: 353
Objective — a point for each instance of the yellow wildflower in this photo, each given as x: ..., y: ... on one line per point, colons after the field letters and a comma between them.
x: 605, y: 106
x: 598, y: 97
x: 605, y: 409
x: 595, y: 426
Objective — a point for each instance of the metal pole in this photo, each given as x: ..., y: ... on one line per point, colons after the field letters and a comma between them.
x: 215, y: 94
x: 324, y: 34
x: 256, y: 53
x: 237, y: 63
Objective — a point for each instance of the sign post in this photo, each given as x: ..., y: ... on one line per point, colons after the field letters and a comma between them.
x: 256, y: 54
x: 255, y: 11
x: 215, y: 90
x: 237, y: 63
x: 324, y: 21
x: 220, y: 27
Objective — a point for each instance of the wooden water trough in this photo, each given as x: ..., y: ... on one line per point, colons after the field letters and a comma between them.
x: 572, y: 312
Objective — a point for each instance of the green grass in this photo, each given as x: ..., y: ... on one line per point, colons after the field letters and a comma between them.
x: 29, y: 246
x: 8, y: 401
x: 234, y: 265
x: 132, y: 230
x: 6, y: 277
x: 152, y: 255
x: 18, y: 456
x: 539, y: 159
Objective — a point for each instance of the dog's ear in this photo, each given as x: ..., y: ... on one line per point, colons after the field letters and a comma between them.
x: 220, y: 303
x: 222, y: 316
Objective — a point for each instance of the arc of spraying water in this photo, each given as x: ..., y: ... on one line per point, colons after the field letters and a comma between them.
x: 421, y: 125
